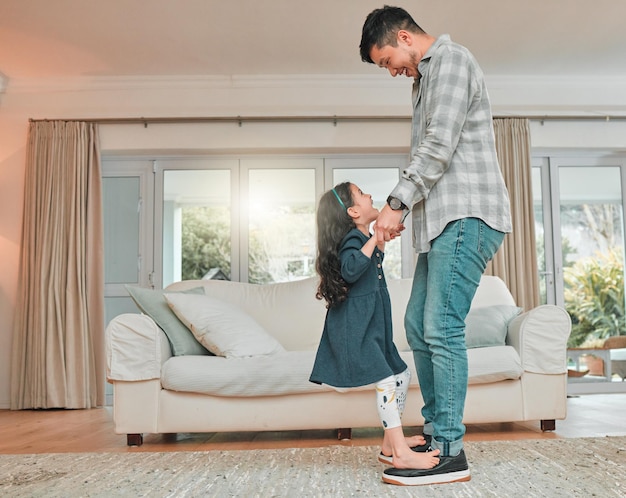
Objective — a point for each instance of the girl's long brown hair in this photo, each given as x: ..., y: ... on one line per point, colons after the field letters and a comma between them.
x: 333, y: 223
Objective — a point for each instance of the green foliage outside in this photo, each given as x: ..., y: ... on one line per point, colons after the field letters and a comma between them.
x: 594, y: 298
x: 258, y: 262
x: 205, y: 241
x: 278, y: 244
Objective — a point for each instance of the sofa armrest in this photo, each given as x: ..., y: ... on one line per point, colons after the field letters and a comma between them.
x: 540, y: 337
x: 135, y: 348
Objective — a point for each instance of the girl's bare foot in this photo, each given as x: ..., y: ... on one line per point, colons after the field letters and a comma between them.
x: 396, y: 444
x: 411, y: 442
x: 415, y: 460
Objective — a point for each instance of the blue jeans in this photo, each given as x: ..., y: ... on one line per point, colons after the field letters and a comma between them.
x: 445, y: 281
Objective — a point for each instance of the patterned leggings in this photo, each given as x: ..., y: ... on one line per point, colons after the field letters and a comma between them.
x: 390, y: 398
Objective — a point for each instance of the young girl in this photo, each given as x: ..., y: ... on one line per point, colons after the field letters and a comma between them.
x: 356, y: 347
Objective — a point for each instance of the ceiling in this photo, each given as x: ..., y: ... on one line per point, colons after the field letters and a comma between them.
x: 111, y: 38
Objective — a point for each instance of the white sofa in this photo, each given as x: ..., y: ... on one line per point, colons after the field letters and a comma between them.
x: 156, y: 392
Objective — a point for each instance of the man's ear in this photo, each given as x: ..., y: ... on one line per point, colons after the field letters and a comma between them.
x: 405, y: 37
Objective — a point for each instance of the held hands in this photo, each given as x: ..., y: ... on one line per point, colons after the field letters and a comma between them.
x: 388, y: 225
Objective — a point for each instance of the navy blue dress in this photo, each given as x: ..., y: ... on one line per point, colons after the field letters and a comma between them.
x: 356, y: 347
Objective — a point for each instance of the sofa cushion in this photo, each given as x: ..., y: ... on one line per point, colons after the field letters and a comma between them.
x: 222, y: 328
x: 280, y: 374
x: 276, y: 307
x: 152, y: 303
x: 288, y: 372
x: 493, y: 364
x: 488, y: 326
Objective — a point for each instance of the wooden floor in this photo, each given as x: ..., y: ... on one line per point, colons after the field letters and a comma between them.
x: 82, y: 431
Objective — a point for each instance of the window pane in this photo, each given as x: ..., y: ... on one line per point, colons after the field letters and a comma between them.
x: 196, y: 225
x: 592, y: 247
x: 281, y: 214
x: 378, y: 182
x: 121, y: 229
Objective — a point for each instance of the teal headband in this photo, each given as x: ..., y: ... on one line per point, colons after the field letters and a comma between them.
x: 339, y: 199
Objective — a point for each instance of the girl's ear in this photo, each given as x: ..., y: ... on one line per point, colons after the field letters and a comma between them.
x: 353, y: 212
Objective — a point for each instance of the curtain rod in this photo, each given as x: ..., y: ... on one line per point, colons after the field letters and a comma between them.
x: 291, y: 119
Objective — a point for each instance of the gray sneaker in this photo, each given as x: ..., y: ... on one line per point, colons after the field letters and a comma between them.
x: 449, y: 469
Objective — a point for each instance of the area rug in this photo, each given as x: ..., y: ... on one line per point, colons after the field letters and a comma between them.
x: 526, y: 468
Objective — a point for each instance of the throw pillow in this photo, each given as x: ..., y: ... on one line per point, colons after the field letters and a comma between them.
x: 152, y: 303
x: 487, y: 326
x: 222, y: 328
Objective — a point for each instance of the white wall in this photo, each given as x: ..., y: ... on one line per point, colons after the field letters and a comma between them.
x: 269, y: 96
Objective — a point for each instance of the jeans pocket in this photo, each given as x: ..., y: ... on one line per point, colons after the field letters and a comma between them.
x: 489, y: 241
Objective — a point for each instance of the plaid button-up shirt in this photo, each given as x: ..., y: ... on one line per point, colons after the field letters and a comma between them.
x: 453, y: 171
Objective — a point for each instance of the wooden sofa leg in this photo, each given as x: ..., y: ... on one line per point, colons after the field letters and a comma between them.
x: 134, y: 439
x: 548, y: 425
x: 344, y: 433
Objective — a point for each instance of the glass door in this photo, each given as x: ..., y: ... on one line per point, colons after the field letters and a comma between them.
x: 544, y: 230
x: 592, y: 251
x: 579, y: 215
x: 127, y: 188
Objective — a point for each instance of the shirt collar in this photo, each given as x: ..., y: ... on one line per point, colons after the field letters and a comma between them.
x: 422, y: 66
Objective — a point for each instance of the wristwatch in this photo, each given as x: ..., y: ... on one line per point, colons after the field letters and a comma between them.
x: 395, y: 203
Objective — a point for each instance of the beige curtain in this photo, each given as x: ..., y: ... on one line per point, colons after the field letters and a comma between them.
x: 58, y: 337
x: 516, y: 261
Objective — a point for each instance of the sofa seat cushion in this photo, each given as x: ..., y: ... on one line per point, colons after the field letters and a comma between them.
x: 494, y: 364
x: 282, y: 373
x: 288, y: 372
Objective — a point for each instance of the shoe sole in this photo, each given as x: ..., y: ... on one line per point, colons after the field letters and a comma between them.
x: 448, y: 477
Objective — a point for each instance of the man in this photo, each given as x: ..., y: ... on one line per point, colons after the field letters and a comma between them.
x: 460, y: 212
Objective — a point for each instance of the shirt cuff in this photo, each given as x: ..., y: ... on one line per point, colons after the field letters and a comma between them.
x: 405, y: 191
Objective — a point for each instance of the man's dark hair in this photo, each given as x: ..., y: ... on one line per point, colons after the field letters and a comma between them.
x: 381, y: 27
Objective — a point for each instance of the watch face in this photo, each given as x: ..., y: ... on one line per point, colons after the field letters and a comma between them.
x: 394, y: 203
